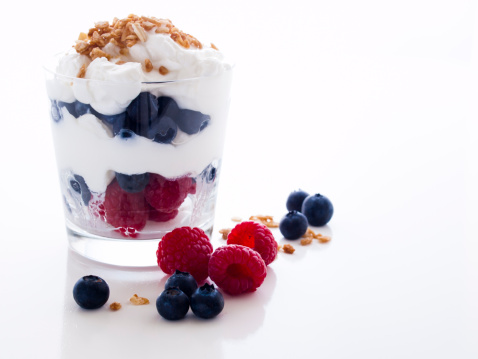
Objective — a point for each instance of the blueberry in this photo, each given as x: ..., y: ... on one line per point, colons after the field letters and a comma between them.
x: 91, y: 292
x: 125, y: 134
x: 318, y: 209
x: 192, y: 122
x: 55, y: 111
x: 293, y: 225
x: 82, y: 109
x: 295, y: 200
x: 75, y: 185
x: 143, y: 115
x: 207, y: 302
x: 132, y: 183
x: 183, y: 281
x: 69, y: 106
x: 166, y: 130
x: 167, y: 107
x: 84, y: 190
x: 114, y: 122
x: 172, y: 304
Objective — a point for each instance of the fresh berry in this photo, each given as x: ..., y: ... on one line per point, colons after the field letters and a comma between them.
x: 192, y: 122
x: 158, y: 216
x: 167, y: 195
x: 166, y: 130
x: 295, y: 200
x: 84, y: 190
x: 70, y: 107
x: 183, y: 281
x: 55, y: 111
x: 207, y: 302
x: 256, y: 236
x: 293, y: 225
x: 91, y: 292
x: 172, y: 304
x: 186, y: 249
x: 143, y: 115
x: 209, y: 173
x: 237, y: 269
x: 167, y: 107
x: 132, y: 183
x: 82, y: 109
x: 318, y: 209
x: 128, y: 212
x: 114, y: 122
x: 125, y: 134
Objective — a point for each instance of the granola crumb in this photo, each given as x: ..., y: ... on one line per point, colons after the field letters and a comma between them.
x: 121, y: 62
x: 128, y: 31
x: 324, y: 239
x: 96, y: 52
x: 225, y: 232
x: 236, y: 219
x: 138, y: 300
x: 82, y: 36
x: 115, y: 306
x: 214, y: 46
x: 148, y: 65
x: 163, y: 70
x: 288, y: 248
x: 81, y: 72
x: 268, y: 221
x: 306, y: 241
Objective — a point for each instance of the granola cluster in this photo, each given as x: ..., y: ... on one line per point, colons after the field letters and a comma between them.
x: 127, y: 32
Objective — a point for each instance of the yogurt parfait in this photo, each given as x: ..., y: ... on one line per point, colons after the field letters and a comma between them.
x: 138, y: 112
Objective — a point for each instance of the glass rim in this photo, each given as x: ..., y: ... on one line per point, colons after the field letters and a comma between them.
x: 49, y: 69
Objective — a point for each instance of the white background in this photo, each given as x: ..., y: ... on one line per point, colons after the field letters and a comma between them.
x: 371, y: 103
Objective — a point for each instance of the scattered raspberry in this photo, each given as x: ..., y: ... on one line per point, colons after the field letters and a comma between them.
x: 159, y: 216
x: 128, y: 212
x: 186, y: 249
x: 167, y: 195
x: 256, y: 236
x: 237, y: 269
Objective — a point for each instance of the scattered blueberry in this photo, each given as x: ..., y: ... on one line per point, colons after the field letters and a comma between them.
x: 183, y: 281
x: 318, y: 209
x: 143, y: 115
x: 84, y: 190
x: 293, y: 225
x: 167, y: 107
x: 207, y: 302
x: 132, y: 183
x: 192, y: 122
x: 172, y: 304
x: 91, y: 292
x: 166, y: 130
x: 295, y: 200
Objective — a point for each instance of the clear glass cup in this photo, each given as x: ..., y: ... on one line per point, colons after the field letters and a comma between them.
x: 136, y: 160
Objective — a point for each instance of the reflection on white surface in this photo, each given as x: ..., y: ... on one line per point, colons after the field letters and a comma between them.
x: 135, y: 329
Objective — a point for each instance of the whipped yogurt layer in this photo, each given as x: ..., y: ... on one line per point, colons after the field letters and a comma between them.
x: 106, y: 72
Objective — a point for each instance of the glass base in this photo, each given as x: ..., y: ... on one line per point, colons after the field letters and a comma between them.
x: 118, y: 252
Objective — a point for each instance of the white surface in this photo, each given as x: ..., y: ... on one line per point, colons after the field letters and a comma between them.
x: 370, y: 103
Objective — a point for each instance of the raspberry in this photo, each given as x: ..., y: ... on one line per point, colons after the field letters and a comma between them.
x: 128, y: 212
x: 237, y: 269
x: 159, y: 216
x: 186, y: 249
x: 167, y: 195
x: 256, y: 236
